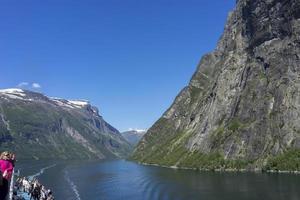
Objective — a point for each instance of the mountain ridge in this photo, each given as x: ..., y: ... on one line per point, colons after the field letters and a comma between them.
x: 241, y: 108
x: 39, y: 127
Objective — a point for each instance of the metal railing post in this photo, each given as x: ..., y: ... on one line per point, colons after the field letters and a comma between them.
x: 11, y: 187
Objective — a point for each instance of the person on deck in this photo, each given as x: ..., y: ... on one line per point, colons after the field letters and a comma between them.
x: 6, y: 168
x: 13, y: 159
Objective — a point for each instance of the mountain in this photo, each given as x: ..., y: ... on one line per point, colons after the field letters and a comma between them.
x: 241, y: 108
x: 133, y: 136
x: 36, y: 126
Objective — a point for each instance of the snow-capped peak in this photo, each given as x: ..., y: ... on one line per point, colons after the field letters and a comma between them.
x: 13, y: 93
x: 70, y: 103
x: 16, y: 91
x: 138, y: 130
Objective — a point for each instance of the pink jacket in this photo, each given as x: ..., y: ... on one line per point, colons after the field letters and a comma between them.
x: 7, y: 166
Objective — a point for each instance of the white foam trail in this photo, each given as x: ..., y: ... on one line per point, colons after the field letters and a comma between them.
x: 40, y: 172
x: 72, y: 185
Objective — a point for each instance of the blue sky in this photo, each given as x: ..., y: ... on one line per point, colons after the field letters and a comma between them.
x: 130, y: 58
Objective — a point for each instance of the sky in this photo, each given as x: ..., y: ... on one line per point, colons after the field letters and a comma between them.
x: 130, y: 58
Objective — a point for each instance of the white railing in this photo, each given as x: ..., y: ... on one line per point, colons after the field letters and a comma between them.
x: 11, y: 186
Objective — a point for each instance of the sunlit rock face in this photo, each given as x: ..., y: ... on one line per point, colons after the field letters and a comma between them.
x: 243, y: 102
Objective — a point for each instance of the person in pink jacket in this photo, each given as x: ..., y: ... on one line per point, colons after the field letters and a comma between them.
x: 6, y: 165
x: 6, y: 168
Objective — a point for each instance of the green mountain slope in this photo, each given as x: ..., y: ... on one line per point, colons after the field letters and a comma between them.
x: 35, y: 126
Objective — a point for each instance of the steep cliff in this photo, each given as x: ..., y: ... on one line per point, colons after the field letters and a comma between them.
x: 242, y: 105
x: 38, y: 127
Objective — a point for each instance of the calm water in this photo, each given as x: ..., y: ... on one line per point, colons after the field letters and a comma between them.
x: 118, y: 179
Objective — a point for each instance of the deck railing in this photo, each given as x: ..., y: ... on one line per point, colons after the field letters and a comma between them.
x: 11, y: 186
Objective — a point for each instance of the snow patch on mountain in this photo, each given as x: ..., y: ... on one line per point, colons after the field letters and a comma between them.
x: 13, y: 91
x: 137, y: 130
x: 16, y: 93
x: 61, y: 102
x: 79, y: 103
x: 70, y: 103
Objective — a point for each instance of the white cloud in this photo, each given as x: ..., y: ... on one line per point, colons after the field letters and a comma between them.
x: 36, y: 85
x: 23, y: 84
x: 29, y: 86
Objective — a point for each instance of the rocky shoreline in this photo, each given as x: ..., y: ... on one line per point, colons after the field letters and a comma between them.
x: 224, y: 170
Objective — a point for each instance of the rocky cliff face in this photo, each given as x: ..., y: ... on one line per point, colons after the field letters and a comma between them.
x: 35, y: 126
x: 242, y: 106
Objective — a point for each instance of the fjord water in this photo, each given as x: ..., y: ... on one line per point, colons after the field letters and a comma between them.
x: 122, y: 180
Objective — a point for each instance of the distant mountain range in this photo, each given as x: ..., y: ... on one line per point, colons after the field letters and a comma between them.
x: 134, y: 136
x: 39, y: 127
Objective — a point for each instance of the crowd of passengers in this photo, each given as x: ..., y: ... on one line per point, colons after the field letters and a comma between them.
x: 33, y: 188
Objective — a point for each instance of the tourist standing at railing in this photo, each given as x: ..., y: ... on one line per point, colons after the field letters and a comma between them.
x: 6, y: 168
x: 13, y: 159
